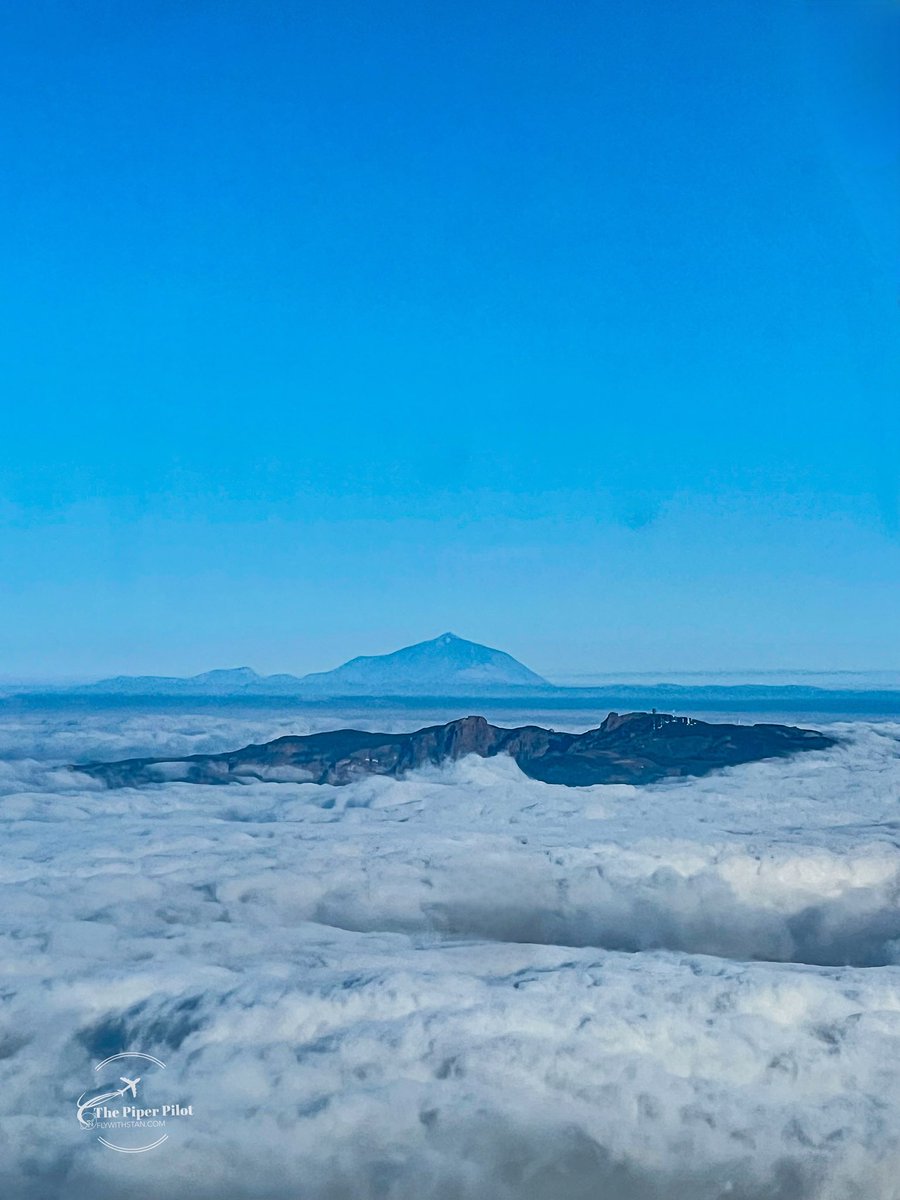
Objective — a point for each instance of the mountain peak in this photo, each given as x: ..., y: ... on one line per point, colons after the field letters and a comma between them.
x: 447, y: 665
x: 443, y: 665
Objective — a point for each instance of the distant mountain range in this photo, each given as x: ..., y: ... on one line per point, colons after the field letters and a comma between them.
x: 444, y: 666
x: 453, y: 667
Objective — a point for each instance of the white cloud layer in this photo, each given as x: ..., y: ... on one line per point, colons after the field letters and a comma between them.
x: 465, y: 985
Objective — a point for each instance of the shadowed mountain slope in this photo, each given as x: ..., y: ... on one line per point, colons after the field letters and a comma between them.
x: 634, y: 748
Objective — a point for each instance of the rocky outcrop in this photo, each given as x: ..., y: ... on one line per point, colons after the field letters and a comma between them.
x: 632, y: 748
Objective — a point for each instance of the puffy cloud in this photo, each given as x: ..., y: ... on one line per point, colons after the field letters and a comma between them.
x: 461, y: 985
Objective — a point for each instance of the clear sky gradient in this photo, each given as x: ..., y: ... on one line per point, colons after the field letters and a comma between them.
x: 571, y: 327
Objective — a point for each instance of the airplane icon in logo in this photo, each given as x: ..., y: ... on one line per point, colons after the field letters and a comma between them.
x: 104, y: 1098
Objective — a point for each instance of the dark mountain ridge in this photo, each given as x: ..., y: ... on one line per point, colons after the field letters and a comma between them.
x: 633, y: 748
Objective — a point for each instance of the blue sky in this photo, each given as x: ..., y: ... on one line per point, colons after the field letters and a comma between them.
x: 569, y: 327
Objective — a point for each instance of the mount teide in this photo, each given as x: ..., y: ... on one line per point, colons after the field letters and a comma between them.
x: 444, y: 666
x: 453, y: 668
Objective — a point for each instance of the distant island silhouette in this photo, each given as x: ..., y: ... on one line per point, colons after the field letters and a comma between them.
x: 445, y: 665
x: 450, y: 667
